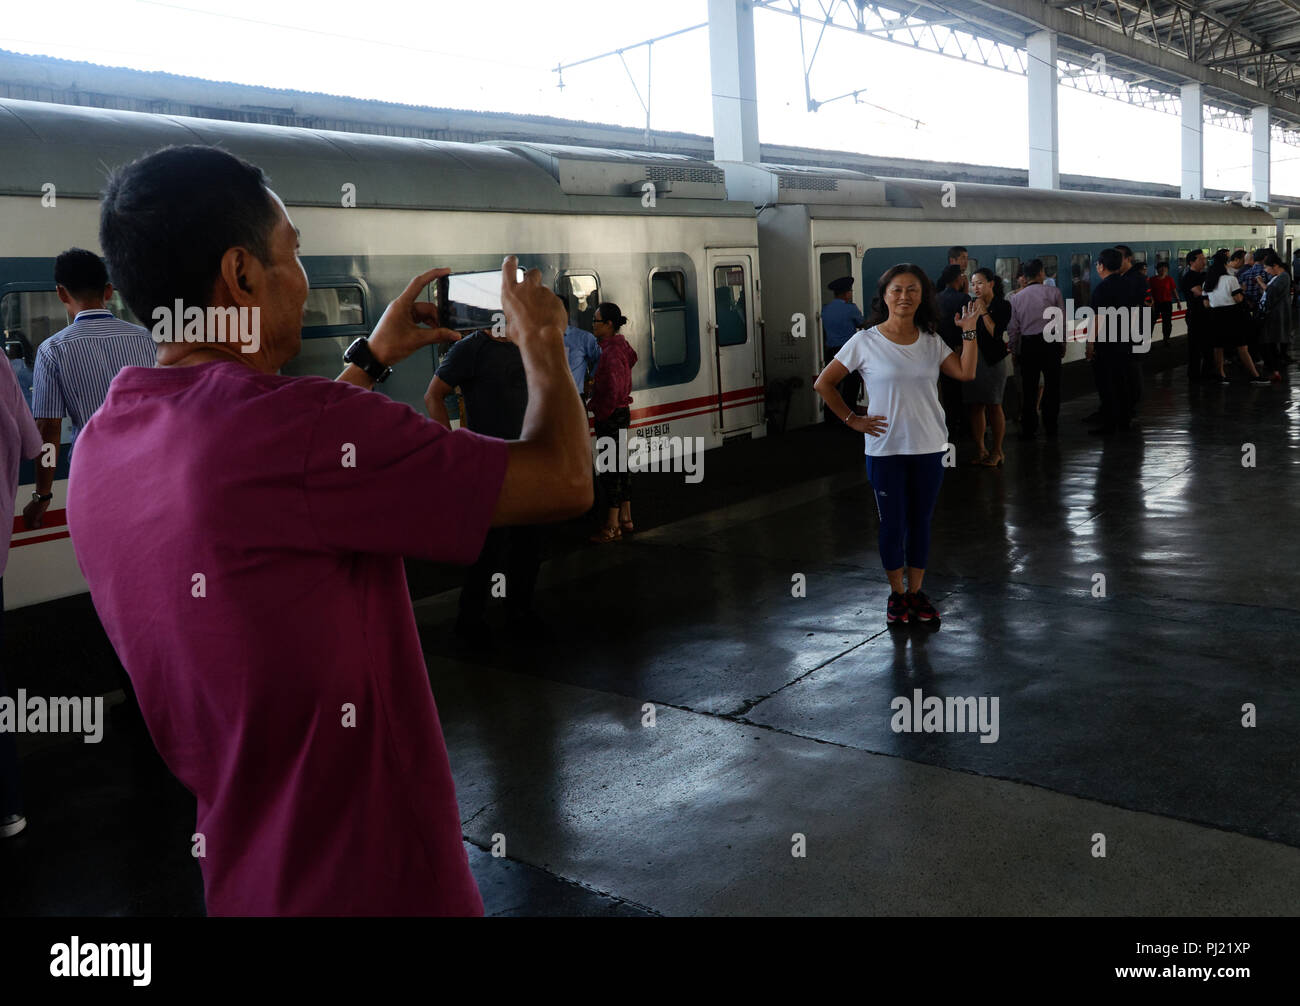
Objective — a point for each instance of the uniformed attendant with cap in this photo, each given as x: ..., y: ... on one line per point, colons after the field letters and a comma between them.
x: 840, y: 319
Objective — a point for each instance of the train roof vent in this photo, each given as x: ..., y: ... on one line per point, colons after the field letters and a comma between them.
x: 765, y: 184
x: 592, y: 171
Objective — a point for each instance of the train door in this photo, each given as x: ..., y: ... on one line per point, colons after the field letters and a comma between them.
x: 832, y: 263
x: 733, y: 325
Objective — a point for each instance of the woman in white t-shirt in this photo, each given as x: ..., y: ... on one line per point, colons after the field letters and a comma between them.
x: 1229, y: 326
x: 900, y: 358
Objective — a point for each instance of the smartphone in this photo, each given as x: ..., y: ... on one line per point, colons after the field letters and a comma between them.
x: 470, y: 301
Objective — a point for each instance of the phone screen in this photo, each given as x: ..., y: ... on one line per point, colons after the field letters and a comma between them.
x: 469, y: 301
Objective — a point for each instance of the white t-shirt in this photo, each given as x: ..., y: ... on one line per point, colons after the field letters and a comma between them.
x: 1221, y: 295
x: 901, y: 386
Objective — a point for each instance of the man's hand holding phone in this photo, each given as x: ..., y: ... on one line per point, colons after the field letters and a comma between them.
x: 409, y: 324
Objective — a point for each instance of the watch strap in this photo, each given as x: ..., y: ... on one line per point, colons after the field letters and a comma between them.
x: 359, y: 355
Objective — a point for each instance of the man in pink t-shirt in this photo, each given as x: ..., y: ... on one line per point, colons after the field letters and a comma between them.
x: 242, y: 534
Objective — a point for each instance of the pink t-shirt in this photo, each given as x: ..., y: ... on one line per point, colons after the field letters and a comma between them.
x: 242, y: 534
x: 19, y: 438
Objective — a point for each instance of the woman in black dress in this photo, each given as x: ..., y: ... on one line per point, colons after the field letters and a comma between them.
x: 983, y: 395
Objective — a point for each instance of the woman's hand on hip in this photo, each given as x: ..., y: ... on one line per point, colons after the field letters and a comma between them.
x: 872, y: 426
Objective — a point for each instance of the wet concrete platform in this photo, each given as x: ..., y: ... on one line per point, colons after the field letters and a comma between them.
x: 1119, y: 712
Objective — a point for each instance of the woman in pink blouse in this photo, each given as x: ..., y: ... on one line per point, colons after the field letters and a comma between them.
x: 610, y: 399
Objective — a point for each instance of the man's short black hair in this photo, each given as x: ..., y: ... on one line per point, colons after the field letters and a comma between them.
x: 956, y: 251
x: 1272, y: 258
x: 167, y: 219
x: 1162, y: 264
x: 1111, y: 258
x: 81, y: 273
x: 1259, y: 253
x: 1239, y: 253
x: 1124, y: 250
x: 1033, y: 267
x: 1193, y: 255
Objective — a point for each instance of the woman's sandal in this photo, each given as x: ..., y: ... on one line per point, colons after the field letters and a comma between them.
x: 605, y: 535
x: 981, y: 459
x: 988, y: 462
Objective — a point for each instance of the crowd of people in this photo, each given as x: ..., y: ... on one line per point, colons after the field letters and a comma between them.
x: 933, y: 359
x: 242, y: 531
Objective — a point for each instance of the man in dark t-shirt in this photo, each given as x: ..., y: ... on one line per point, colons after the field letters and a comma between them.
x: 1110, y: 348
x: 494, y: 392
x: 1190, y: 287
x: 950, y: 300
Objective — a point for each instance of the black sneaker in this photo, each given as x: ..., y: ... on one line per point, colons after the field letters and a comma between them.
x: 897, y: 609
x: 922, y: 609
x: 1260, y: 381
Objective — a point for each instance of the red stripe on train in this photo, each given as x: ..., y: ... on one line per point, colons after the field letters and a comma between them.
x: 53, y: 518
x: 36, y: 541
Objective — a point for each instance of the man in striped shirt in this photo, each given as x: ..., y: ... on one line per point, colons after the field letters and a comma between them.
x: 75, y: 366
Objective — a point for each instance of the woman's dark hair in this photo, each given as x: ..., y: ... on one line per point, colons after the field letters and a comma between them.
x: 999, y: 291
x: 1218, y: 269
x: 927, y: 312
x: 949, y: 275
x: 1272, y: 258
x: 609, y: 311
x: 167, y: 219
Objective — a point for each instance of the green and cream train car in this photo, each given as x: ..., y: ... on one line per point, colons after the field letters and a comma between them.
x: 654, y: 233
x: 816, y: 225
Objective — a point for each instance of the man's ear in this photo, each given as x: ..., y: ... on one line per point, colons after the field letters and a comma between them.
x: 63, y: 294
x: 108, y: 292
x: 242, y: 276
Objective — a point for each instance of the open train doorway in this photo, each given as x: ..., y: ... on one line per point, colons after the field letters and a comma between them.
x: 737, y: 353
x: 832, y: 264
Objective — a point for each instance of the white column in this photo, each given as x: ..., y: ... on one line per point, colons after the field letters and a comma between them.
x: 1044, y: 132
x: 735, y: 83
x: 1193, y: 143
x: 1259, y: 161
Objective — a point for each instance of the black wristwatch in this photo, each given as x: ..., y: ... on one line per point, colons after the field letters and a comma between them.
x: 38, y: 498
x: 359, y: 355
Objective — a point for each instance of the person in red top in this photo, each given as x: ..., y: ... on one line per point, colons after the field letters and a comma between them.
x: 242, y: 533
x: 1163, y: 291
x: 610, y: 398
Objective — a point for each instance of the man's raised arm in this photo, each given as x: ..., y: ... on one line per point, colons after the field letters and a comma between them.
x: 548, y: 476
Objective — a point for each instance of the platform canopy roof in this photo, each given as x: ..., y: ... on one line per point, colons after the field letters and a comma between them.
x: 1245, y: 53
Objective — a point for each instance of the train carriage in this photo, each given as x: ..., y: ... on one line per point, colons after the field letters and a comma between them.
x: 653, y: 232
x: 816, y: 225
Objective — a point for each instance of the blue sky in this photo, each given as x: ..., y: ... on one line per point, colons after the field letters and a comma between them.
x: 498, y: 55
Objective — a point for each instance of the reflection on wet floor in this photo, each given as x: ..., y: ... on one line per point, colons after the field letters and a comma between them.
x: 1122, y: 599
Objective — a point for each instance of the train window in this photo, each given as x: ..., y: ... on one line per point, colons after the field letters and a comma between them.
x: 330, y: 306
x: 668, y: 317
x: 1162, y: 255
x: 31, y: 317
x: 729, y: 299
x: 1049, y: 265
x: 1182, y: 258
x: 972, y: 264
x: 1081, y: 278
x: 583, y: 290
x: 1006, y: 269
x: 834, y: 265
x: 1139, y: 255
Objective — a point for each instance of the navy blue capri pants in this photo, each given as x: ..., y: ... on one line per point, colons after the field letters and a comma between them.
x: 906, y: 487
